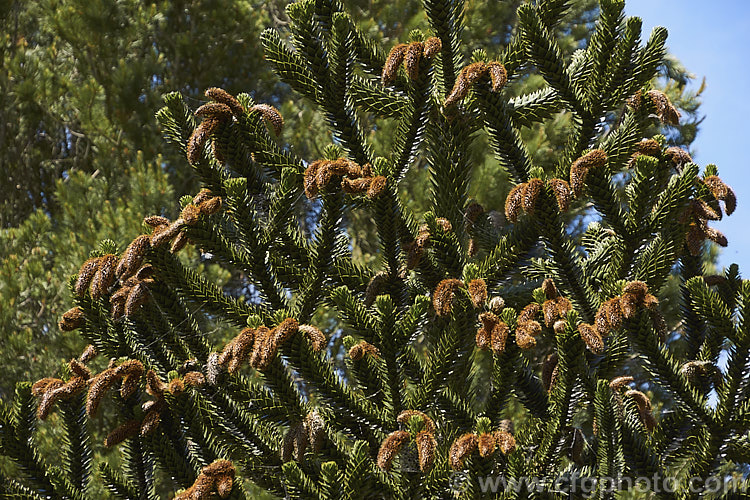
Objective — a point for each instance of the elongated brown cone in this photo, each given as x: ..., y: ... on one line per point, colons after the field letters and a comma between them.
x: 72, y: 319
x: 377, y: 186
x: 88, y: 354
x: 214, y: 110
x: 316, y: 338
x: 78, y: 369
x: 270, y: 115
x: 43, y: 385
x: 85, y: 275
x: 637, y: 288
x: 722, y: 192
x: 98, y: 389
x: 104, y: 277
x: 426, y: 446
x: 54, y: 394
x: 529, y: 312
x: 498, y: 75
x: 122, y: 432
x: 461, y: 449
x: 466, y: 78
x: 355, y: 186
x: 178, y: 243
x: 716, y: 236
x: 664, y: 108
x: 311, y: 179
x: 530, y: 195
x: 649, y: 147
x: 359, y: 350
x: 199, y: 137
x: 152, y: 419
x: 411, y: 59
x: 432, y: 46
x: 609, y: 316
x: 618, y: 383
x: 548, y: 368
x: 442, y: 298
x: 678, y: 156
x: 561, y: 189
x: 156, y: 221
x: 132, y: 257
x: 194, y: 379
x: 392, y: 63
x: 486, y: 444
x: 478, y: 292
x: 580, y: 168
x: 176, y: 386
x: 162, y: 234
x: 499, y: 337
x: 514, y: 202
x: 505, y: 441
x: 644, y: 408
x: 703, y: 210
x: 138, y: 296
x: 484, y: 333
x: 224, y: 97
x: 525, y: 333
x: 210, y: 206
x: 390, y: 448
x: 404, y: 416
x: 154, y: 385
x: 592, y: 338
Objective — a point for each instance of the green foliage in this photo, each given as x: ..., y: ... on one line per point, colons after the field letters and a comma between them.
x: 370, y: 364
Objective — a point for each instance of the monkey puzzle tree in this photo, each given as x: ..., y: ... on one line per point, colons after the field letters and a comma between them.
x: 476, y: 348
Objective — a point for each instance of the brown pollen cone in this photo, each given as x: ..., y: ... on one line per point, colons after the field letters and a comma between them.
x: 514, y: 202
x: 592, y: 338
x: 390, y: 448
x: 359, y: 350
x: 461, y: 449
x: 442, y: 298
x: 432, y: 46
x: 392, y: 63
x: 426, y: 446
x: 722, y: 192
x: 486, y: 444
x: 224, y: 97
x: 72, y: 319
x: 270, y: 115
x: 85, y: 275
x: 411, y: 59
x: 478, y: 292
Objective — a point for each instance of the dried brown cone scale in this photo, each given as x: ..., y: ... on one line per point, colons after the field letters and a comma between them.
x: 390, y: 448
x: 461, y: 449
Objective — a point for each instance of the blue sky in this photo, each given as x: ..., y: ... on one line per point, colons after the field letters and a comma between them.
x: 712, y: 39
